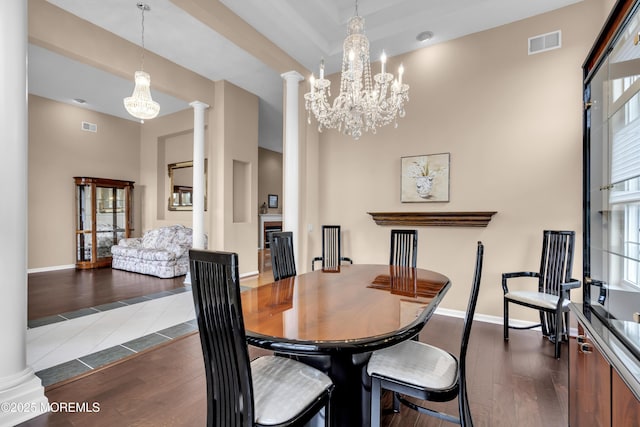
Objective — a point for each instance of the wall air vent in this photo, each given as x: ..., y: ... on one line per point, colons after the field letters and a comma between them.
x: 89, y: 127
x: 545, y: 42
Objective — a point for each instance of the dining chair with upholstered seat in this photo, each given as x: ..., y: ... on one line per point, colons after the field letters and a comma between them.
x: 283, y: 261
x: 404, y: 248
x: 419, y: 370
x: 331, y: 249
x: 267, y: 391
x: 552, y: 296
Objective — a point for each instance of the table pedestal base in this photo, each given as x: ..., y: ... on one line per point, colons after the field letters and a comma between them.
x: 351, y: 398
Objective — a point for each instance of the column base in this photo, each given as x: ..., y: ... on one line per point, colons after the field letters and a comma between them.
x: 21, y: 398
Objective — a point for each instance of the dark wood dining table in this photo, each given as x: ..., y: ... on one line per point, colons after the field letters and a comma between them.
x: 334, y: 319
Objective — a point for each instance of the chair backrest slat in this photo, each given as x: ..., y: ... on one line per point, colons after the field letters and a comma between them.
x: 331, y: 246
x: 404, y: 248
x: 282, y: 256
x: 556, y: 261
x: 216, y: 294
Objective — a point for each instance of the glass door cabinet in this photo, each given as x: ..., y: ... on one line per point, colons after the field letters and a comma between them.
x: 103, y: 217
x: 612, y: 186
x: 604, y: 358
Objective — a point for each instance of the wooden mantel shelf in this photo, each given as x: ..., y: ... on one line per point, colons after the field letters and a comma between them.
x: 438, y: 219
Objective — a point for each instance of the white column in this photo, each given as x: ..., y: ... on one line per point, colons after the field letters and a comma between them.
x: 198, y: 173
x: 291, y: 160
x: 19, y: 386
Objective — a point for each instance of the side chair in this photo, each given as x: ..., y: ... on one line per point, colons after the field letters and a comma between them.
x: 422, y: 371
x: 283, y: 261
x: 554, y: 284
x: 267, y: 391
x: 331, y: 249
x: 404, y: 248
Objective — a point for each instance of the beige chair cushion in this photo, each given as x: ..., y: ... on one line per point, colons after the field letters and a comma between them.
x: 415, y: 363
x: 537, y: 298
x: 283, y: 387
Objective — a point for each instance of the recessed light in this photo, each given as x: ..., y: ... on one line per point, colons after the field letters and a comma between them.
x: 424, y: 36
x: 79, y: 101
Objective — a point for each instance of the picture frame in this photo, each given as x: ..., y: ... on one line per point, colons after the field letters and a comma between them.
x: 425, y: 178
x: 273, y: 201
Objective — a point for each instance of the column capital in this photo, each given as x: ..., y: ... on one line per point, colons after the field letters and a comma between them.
x: 292, y: 76
x: 198, y: 104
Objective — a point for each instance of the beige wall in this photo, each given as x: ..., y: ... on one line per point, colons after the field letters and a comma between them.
x: 231, y: 134
x: 512, y: 124
x: 165, y: 140
x: 232, y: 122
x: 237, y: 141
x: 59, y: 150
x: 269, y: 177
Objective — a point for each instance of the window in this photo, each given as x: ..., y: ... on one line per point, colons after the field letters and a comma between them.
x: 624, y: 197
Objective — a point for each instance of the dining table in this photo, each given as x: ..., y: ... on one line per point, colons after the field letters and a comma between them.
x: 333, y: 319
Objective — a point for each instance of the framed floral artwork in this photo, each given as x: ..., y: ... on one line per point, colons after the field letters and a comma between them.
x: 425, y: 178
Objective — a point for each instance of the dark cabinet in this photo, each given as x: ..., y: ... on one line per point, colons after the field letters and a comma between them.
x: 589, y: 384
x: 598, y: 394
x: 626, y: 408
x: 103, y: 216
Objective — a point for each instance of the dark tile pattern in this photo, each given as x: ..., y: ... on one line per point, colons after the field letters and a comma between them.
x: 87, y: 363
x: 159, y: 295
x: 109, y: 306
x: 104, y: 357
x: 145, y: 342
x: 79, y: 313
x: 44, y: 321
x: 61, y: 372
x: 136, y: 300
x: 178, y: 330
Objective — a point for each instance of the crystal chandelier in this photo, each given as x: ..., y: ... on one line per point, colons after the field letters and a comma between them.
x: 139, y: 104
x: 362, y: 105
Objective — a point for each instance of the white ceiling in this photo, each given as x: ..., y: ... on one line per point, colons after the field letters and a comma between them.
x: 306, y: 30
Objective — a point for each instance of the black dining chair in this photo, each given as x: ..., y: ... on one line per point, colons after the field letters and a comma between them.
x: 425, y: 372
x: 331, y: 249
x: 283, y: 261
x: 269, y: 390
x: 404, y: 248
x: 552, y: 296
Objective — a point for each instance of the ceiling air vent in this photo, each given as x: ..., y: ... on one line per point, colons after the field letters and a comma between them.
x: 545, y: 42
x: 89, y: 127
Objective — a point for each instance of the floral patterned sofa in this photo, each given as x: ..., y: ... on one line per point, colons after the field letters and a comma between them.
x: 161, y: 252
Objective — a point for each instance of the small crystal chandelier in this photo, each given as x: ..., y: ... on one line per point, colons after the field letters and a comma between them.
x: 139, y: 104
x: 361, y: 105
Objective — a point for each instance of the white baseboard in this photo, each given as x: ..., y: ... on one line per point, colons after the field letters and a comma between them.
x: 25, y: 391
x: 249, y: 274
x: 497, y: 320
x: 483, y: 317
x: 52, y: 268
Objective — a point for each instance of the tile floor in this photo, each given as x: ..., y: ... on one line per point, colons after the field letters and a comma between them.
x: 63, y: 346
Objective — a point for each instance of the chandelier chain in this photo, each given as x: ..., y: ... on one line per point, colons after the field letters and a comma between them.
x: 142, y: 7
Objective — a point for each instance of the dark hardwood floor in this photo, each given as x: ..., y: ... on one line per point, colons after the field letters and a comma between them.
x: 514, y: 384
x: 56, y: 292
x: 62, y: 291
